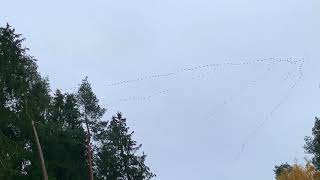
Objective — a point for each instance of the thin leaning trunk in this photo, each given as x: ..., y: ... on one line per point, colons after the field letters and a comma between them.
x: 89, y: 151
x: 40, y: 154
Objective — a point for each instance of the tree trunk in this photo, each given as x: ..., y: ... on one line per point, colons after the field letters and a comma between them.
x: 43, y: 166
x: 89, y: 151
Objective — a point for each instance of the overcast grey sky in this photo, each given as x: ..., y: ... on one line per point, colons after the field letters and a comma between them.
x: 215, y: 122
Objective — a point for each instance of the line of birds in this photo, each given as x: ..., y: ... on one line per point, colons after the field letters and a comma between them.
x: 297, y: 78
x: 214, y: 65
x: 144, y: 98
x: 288, y: 76
x: 139, y: 98
x: 273, y: 110
x: 250, y: 85
x: 272, y: 61
x: 110, y: 106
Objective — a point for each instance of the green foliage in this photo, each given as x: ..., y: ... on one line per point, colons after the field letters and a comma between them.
x: 63, y: 139
x: 312, y: 145
x: 278, y: 170
x: 88, y: 103
x: 311, y: 171
x: 117, y: 158
x: 60, y: 120
x: 21, y: 86
x: 91, y: 113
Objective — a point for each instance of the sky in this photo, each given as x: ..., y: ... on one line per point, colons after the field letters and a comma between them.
x: 213, y: 89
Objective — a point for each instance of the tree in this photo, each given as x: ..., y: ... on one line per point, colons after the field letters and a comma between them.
x: 298, y: 172
x: 117, y: 157
x: 64, y: 139
x: 21, y: 87
x: 282, y: 168
x: 312, y: 145
x: 49, y: 134
x: 91, y: 113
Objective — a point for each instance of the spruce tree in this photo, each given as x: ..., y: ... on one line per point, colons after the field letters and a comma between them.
x: 118, y: 157
x: 64, y: 139
x: 24, y: 99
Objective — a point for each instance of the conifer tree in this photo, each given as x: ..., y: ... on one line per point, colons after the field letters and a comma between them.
x: 63, y: 124
x: 91, y: 112
x: 64, y: 139
x: 118, y: 156
x: 24, y: 99
x: 312, y: 145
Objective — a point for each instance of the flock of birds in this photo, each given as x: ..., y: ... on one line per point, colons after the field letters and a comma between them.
x: 270, y: 62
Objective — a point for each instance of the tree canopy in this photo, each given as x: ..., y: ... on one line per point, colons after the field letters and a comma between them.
x: 76, y: 142
x: 299, y: 172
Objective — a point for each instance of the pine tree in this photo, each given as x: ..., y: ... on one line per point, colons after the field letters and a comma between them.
x: 91, y: 113
x: 118, y: 157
